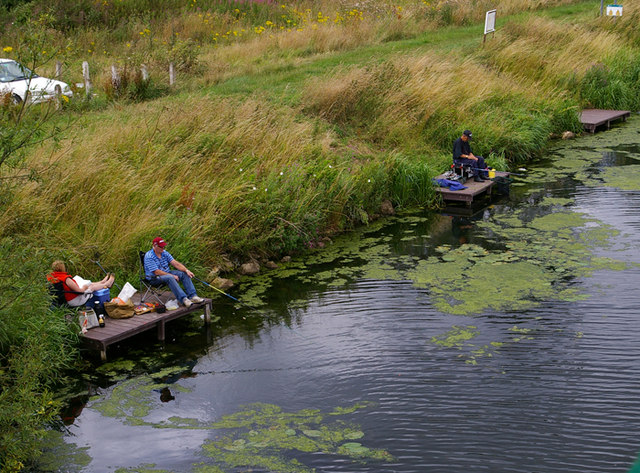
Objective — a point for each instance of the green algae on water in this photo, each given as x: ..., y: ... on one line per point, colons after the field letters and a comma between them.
x: 260, y: 436
x: 58, y: 455
x: 266, y: 437
x: 460, y: 338
x: 456, y: 337
x: 130, y: 400
x: 626, y: 178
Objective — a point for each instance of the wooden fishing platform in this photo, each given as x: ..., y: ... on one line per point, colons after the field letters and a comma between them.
x: 474, y: 190
x: 116, y: 330
x: 592, y: 118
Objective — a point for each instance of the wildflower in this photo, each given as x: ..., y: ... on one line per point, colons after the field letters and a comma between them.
x: 281, y: 173
x: 7, y: 49
x: 265, y: 189
x: 240, y: 169
x: 330, y: 166
x: 368, y: 180
x: 254, y: 188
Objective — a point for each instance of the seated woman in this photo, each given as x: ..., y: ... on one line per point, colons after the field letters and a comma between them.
x: 74, y: 294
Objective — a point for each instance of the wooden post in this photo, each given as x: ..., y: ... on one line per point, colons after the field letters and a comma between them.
x: 115, y: 80
x: 58, y: 90
x: 87, y: 80
x: 172, y: 74
x: 160, y: 330
x: 145, y: 73
x: 207, y: 312
x: 58, y: 70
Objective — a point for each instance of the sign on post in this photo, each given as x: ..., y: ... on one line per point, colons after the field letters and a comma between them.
x: 489, y: 23
x: 614, y: 10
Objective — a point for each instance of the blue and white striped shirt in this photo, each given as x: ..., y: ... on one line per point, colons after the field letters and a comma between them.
x: 152, y: 262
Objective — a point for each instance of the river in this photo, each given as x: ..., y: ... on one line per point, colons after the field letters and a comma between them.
x: 502, y: 339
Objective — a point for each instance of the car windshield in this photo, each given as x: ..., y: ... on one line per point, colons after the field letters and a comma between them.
x: 10, y: 71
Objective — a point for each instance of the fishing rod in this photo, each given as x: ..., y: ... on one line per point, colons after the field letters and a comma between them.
x: 105, y: 272
x: 229, y: 296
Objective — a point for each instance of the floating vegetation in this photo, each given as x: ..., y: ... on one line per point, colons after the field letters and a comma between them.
x: 59, y: 455
x: 131, y: 400
x: 460, y: 337
x: 456, y: 337
x: 260, y: 436
x: 622, y: 177
x: 265, y: 437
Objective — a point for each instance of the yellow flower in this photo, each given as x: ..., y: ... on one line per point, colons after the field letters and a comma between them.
x: 8, y: 49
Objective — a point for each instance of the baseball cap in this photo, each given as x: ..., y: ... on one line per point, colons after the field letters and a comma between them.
x: 467, y: 133
x: 160, y: 242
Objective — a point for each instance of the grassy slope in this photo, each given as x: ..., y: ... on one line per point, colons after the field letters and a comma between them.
x: 361, y: 122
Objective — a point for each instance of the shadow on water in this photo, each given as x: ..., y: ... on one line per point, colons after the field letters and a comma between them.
x: 500, y: 338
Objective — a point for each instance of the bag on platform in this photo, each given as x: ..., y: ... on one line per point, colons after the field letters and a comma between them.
x: 87, y: 319
x: 117, y: 310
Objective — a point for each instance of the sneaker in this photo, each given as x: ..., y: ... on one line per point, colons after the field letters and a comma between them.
x: 478, y: 179
x: 197, y: 299
x: 186, y: 302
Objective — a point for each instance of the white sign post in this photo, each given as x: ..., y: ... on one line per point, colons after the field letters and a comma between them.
x: 489, y: 24
x: 614, y: 10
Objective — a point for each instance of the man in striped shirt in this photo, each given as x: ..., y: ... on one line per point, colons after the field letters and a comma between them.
x: 156, y: 267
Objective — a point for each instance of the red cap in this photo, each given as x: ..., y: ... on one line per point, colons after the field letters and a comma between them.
x: 160, y: 242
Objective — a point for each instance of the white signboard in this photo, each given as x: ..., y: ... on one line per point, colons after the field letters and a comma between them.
x: 614, y: 10
x: 490, y: 21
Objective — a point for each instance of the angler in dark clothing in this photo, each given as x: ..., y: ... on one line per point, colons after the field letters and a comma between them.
x: 462, y: 155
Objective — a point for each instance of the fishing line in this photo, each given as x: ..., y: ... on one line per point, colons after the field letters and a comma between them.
x: 260, y: 312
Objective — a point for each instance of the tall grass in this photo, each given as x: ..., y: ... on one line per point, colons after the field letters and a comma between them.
x: 35, y: 345
x: 234, y: 176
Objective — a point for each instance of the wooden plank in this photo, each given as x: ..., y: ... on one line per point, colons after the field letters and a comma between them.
x: 473, y: 189
x: 116, y: 330
x: 592, y: 118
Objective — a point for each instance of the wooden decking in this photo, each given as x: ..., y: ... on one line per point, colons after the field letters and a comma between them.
x: 473, y: 191
x: 116, y: 330
x: 592, y: 118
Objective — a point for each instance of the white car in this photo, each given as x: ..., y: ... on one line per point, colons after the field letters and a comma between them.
x: 15, y: 79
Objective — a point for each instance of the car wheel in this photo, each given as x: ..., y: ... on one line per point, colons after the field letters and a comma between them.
x: 16, y: 99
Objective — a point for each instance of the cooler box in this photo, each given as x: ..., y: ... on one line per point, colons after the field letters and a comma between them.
x: 101, y: 296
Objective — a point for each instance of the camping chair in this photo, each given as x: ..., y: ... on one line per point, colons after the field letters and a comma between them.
x: 152, y: 288
x: 57, y: 292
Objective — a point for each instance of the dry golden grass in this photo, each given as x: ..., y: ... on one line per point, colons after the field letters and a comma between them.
x: 541, y: 49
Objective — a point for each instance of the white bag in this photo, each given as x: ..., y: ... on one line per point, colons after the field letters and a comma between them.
x: 87, y: 320
x: 127, y: 291
x: 171, y: 305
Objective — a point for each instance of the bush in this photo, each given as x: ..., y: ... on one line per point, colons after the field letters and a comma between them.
x: 36, y: 343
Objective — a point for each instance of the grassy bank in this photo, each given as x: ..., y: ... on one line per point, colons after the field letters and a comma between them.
x: 287, y: 124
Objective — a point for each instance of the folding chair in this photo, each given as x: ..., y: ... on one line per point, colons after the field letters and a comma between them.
x: 56, y: 291
x: 57, y: 294
x: 152, y: 288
